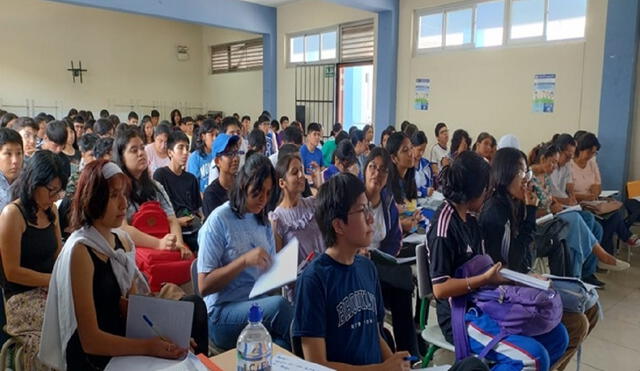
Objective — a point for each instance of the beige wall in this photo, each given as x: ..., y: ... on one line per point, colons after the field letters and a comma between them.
x: 491, y: 90
x: 300, y: 16
x: 239, y: 92
x: 131, y: 59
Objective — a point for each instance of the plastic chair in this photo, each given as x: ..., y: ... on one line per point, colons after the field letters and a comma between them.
x: 432, y: 333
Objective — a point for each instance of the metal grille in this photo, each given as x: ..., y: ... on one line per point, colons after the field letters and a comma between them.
x: 315, y: 95
x: 237, y: 56
x: 357, y: 42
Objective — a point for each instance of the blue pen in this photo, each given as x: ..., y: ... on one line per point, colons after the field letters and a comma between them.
x: 153, y: 328
x: 411, y: 358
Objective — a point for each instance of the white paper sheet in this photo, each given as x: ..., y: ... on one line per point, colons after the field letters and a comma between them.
x: 566, y: 209
x: 392, y: 258
x: 142, y: 363
x: 171, y: 318
x: 288, y: 363
x: 434, y: 368
x: 415, y: 238
x: 544, y: 219
x: 605, y: 194
x: 587, y: 286
x: 525, y: 279
x: 284, y: 270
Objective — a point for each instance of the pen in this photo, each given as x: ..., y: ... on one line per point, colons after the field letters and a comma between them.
x: 306, y: 261
x: 411, y: 358
x: 153, y: 328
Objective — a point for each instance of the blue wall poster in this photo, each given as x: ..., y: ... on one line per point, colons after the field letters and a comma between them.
x: 423, y: 87
x: 544, y: 91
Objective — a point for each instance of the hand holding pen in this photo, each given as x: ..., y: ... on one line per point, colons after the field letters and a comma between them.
x: 159, y: 346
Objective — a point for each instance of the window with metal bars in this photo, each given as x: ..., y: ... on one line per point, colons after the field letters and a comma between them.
x: 237, y: 56
x: 357, y: 41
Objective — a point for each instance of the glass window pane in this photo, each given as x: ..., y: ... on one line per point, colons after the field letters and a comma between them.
x: 489, y: 19
x: 527, y: 18
x: 328, y: 41
x: 296, y: 50
x: 430, y: 31
x: 567, y: 19
x: 458, y: 27
x: 312, y: 48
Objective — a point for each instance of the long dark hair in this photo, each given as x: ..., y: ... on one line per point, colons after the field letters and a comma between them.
x: 42, y: 169
x: 373, y: 154
x: 173, y: 117
x: 256, y: 170
x: 542, y: 150
x: 282, y: 167
x: 394, y: 142
x: 207, y: 126
x: 505, y: 166
x: 465, y: 179
x: 142, y: 189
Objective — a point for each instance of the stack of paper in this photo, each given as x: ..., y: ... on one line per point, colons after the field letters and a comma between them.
x: 415, y: 238
x: 283, y: 270
x: 288, y: 363
x: 525, y: 279
x: 142, y: 363
x: 605, y: 194
x: 168, y: 317
x: 587, y: 286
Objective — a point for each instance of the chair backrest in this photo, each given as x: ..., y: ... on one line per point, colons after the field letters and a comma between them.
x: 633, y: 189
x: 296, y: 343
x: 194, y: 277
x: 422, y: 265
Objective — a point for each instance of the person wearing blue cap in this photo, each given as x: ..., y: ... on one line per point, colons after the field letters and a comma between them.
x: 227, y: 161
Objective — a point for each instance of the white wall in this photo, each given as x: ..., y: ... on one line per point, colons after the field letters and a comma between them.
x: 131, y: 59
x: 239, y: 92
x: 300, y: 16
x: 491, y: 90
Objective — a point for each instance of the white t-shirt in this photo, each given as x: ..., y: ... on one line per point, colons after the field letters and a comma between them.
x: 154, y: 160
x: 438, y: 153
x: 379, y: 227
x: 560, y: 177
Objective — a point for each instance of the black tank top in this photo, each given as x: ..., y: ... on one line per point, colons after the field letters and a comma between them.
x: 37, y: 252
x: 106, y: 299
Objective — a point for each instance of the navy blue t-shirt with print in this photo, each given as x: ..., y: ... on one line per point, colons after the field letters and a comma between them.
x: 342, y: 304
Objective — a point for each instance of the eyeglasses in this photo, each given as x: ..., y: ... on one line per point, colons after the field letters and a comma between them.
x: 366, y: 210
x: 379, y: 169
x: 230, y: 153
x: 527, y: 175
x: 55, y: 193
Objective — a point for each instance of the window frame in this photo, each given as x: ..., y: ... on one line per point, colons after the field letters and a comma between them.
x: 318, y: 32
x: 507, y: 41
x: 228, y: 46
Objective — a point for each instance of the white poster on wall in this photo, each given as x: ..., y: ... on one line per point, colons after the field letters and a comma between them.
x: 421, y: 101
x: 544, y: 91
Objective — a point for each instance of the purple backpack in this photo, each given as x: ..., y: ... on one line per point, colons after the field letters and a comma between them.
x: 518, y: 310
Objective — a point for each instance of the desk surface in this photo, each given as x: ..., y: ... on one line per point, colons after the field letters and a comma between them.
x: 227, y: 360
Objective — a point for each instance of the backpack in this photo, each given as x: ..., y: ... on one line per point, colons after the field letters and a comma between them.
x: 159, y: 266
x: 518, y: 310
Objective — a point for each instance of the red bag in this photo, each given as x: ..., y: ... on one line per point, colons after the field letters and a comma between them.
x: 159, y: 266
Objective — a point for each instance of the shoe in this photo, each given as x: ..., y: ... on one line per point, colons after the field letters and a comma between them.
x: 593, y: 280
x: 619, y: 266
x: 634, y: 241
x: 600, y: 270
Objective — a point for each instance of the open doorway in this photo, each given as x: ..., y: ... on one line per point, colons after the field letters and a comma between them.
x: 355, y: 94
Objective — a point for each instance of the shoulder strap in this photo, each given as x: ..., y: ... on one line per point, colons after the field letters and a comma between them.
x: 460, y: 338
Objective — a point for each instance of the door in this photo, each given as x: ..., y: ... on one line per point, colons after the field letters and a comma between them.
x: 355, y: 94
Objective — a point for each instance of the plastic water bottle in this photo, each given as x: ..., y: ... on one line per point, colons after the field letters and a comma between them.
x: 254, y: 344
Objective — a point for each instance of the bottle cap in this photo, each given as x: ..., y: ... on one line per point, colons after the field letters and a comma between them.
x: 255, y: 313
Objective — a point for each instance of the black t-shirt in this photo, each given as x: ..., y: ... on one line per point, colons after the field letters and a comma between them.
x: 214, y: 195
x: 451, y: 242
x: 183, y: 190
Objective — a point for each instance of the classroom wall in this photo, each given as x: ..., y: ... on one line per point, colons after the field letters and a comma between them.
x: 634, y: 161
x: 131, y: 59
x: 491, y: 89
x: 239, y: 92
x: 300, y: 16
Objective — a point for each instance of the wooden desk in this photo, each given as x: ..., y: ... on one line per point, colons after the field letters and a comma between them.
x: 227, y: 360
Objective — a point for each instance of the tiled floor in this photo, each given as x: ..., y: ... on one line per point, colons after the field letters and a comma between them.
x: 614, y: 345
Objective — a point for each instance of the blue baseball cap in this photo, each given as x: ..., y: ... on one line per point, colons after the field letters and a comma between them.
x: 222, y: 142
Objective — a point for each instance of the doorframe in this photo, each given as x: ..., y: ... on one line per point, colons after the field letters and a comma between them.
x: 338, y: 97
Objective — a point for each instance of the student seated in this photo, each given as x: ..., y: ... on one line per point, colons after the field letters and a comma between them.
x: 385, y: 135
x: 345, y: 161
x: 264, y: 125
x: 103, y: 149
x: 132, y: 119
x: 440, y: 151
x: 402, y: 181
x: 587, y: 187
x: 236, y: 245
x: 456, y: 238
x: 85, y: 320
x: 294, y: 216
x: 360, y: 145
x: 182, y: 188
x: 186, y: 126
x: 485, y: 146
x: 508, y: 223
x: 460, y: 142
x: 334, y: 331
x: 157, y: 151
x: 424, y: 167
x: 330, y: 144
x: 227, y: 162
x: 70, y: 148
x: 29, y: 244
x: 310, y: 153
x: 11, y: 159
x: 176, y: 118
x: 27, y: 129
x: 289, y: 136
x: 367, y: 130
x: 130, y: 156
x: 257, y: 142
x: 104, y: 128
x: 387, y: 237
x: 146, y: 128
x: 200, y: 160
x: 55, y: 139
x: 584, y: 245
x: 229, y: 126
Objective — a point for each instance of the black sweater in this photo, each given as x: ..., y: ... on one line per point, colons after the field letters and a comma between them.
x: 512, y: 248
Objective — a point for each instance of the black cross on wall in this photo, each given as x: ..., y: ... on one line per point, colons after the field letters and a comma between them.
x: 76, y: 72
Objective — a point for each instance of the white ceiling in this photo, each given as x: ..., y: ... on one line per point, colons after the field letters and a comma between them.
x: 270, y: 2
